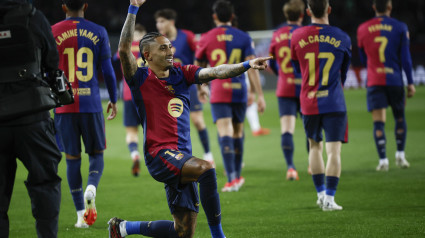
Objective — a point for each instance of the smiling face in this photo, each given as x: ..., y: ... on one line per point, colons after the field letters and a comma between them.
x: 160, y: 53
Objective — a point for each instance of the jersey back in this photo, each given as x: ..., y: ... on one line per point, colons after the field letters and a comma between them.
x: 382, y: 38
x: 163, y: 106
x: 184, y: 47
x: 226, y: 45
x: 322, y: 51
x: 82, y: 45
x: 289, y: 81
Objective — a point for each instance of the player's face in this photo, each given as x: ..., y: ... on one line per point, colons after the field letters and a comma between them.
x: 163, y: 25
x: 161, y: 53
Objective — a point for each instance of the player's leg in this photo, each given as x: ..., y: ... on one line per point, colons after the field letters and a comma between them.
x: 288, y: 109
x: 93, y: 134
x: 252, y: 114
x: 397, y: 102
x: 7, y: 175
x: 68, y: 131
x: 222, y: 116
x: 377, y: 104
x: 131, y: 123
x: 197, y: 118
x: 40, y: 156
x: 238, y: 117
x: 313, y: 130
x: 336, y: 130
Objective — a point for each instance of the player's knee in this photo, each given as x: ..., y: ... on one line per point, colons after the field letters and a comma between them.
x: 184, y: 230
x: 205, y: 166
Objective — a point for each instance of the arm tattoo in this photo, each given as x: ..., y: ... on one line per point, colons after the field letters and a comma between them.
x: 223, y: 71
x: 128, y: 61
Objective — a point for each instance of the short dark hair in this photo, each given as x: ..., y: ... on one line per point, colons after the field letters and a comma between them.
x: 381, y: 5
x: 146, y: 41
x: 318, y: 7
x: 293, y: 9
x: 139, y: 27
x: 224, y: 10
x: 166, y: 13
x: 74, y: 5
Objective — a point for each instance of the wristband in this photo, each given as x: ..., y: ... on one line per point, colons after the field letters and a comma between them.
x: 246, y: 65
x: 133, y: 9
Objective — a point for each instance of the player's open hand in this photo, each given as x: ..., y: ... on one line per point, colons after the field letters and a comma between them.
x: 137, y: 3
x: 113, y: 108
x: 260, y: 63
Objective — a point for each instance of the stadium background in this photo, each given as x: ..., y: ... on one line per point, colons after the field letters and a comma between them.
x: 259, y: 18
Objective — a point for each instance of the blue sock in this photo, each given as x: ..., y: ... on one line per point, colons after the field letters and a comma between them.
x: 159, y: 229
x: 75, y: 182
x: 205, y: 141
x: 319, y: 182
x: 210, y: 199
x: 133, y: 146
x: 95, y: 168
x: 400, y: 133
x: 331, y: 184
x: 238, y: 147
x: 133, y: 227
x: 217, y: 231
x: 228, y: 153
x: 380, y: 141
x: 287, y: 144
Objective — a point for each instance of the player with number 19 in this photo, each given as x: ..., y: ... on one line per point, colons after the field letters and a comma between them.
x: 322, y: 53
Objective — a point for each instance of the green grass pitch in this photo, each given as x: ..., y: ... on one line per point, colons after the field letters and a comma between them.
x: 376, y: 204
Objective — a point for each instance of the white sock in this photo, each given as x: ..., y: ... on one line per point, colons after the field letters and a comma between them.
x: 329, y: 198
x: 135, y: 154
x: 208, y: 156
x: 383, y: 161
x: 80, y: 216
x: 123, y: 229
x: 90, y: 192
x: 322, y: 193
x: 252, y: 116
x: 399, y: 154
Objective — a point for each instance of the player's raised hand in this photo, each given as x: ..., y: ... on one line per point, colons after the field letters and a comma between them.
x: 260, y: 62
x: 137, y: 3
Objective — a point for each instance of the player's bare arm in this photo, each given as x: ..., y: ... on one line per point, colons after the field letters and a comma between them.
x: 128, y: 61
x: 225, y: 71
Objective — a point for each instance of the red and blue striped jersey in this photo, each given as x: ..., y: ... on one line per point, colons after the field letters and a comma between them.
x: 136, y: 52
x: 82, y: 46
x: 184, y: 47
x: 323, y: 53
x: 163, y: 106
x: 226, y: 45
x: 289, y: 81
x: 385, y: 43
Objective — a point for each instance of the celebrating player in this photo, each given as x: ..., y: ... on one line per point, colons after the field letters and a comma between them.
x: 323, y: 53
x: 184, y: 45
x: 161, y: 95
x: 83, y: 46
x: 226, y: 44
x: 289, y: 82
x: 130, y: 117
x: 384, y: 47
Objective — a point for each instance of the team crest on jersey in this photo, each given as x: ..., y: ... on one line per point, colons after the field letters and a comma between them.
x: 179, y: 156
x: 170, y: 89
x: 175, y: 107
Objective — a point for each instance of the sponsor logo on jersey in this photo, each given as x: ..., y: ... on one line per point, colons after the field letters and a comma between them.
x: 175, y: 107
x: 170, y: 89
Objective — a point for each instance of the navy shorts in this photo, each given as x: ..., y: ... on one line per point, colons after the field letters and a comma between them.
x: 234, y: 110
x: 381, y: 96
x: 131, y: 118
x: 70, y: 127
x: 334, y: 124
x: 166, y: 167
x: 288, y: 106
x: 195, y: 104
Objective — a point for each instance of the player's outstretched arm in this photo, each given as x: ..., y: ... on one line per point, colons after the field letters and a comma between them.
x: 128, y: 61
x: 225, y: 71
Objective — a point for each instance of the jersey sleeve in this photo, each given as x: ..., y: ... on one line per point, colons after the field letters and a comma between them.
x: 105, y: 47
x: 347, y: 60
x: 190, y: 73
x: 250, y: 47
x: 191, y: 40
x: 201, y: 49
x: 406, y: 59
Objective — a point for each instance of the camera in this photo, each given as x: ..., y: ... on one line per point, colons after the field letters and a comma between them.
x: 60, y: 87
